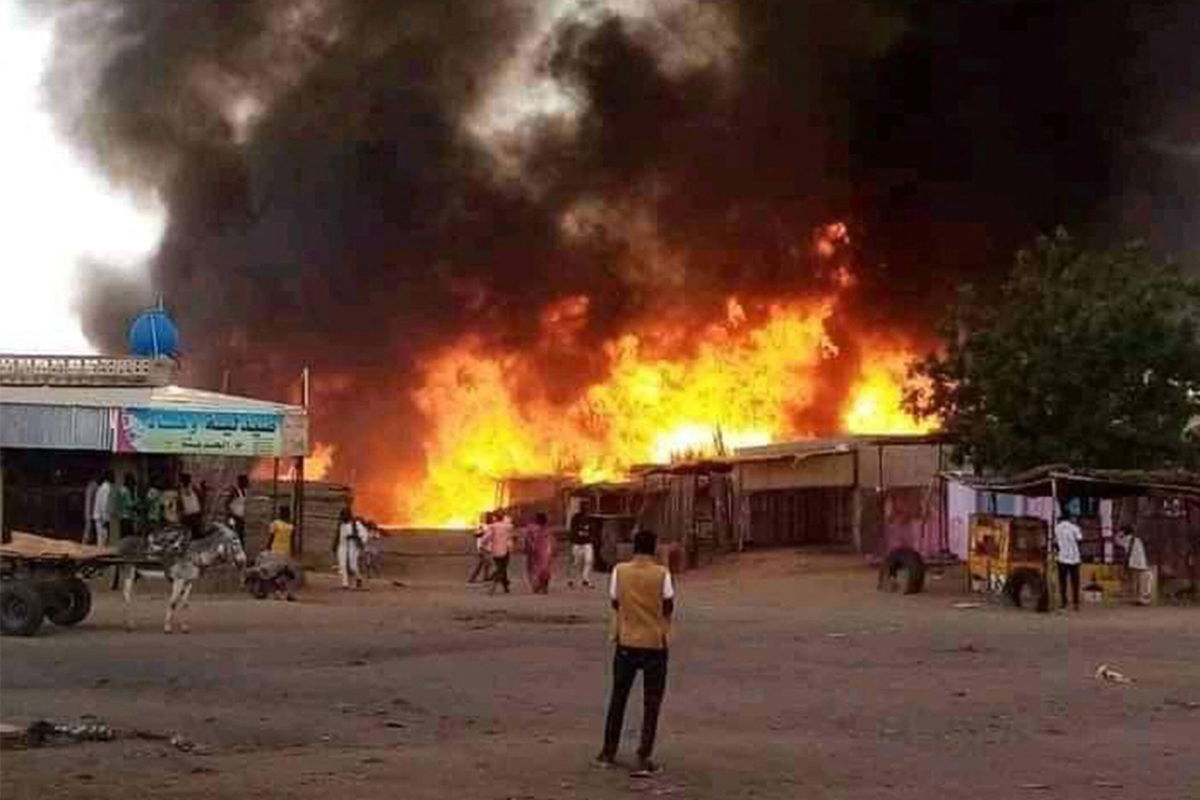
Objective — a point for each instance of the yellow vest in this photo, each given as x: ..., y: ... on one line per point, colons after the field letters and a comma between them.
x: 281, y: 537
x: 640, y: 621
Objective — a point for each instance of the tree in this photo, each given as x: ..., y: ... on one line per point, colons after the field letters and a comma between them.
x: 1085, y: 358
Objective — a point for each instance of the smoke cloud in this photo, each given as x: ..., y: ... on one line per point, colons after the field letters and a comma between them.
x: 351, y: 183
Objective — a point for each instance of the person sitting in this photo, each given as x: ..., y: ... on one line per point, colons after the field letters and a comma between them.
x: 275, y: 560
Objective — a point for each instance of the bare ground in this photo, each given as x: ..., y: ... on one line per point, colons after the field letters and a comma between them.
x: 790, y: 677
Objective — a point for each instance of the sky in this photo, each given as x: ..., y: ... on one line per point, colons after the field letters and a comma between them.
x: 56, y: 211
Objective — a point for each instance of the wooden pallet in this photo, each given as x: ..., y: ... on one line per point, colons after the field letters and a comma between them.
x: 27, y: 545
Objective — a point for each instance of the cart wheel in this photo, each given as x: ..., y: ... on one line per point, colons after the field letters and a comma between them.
x: 902, y: 571
x: 20, y: 608
x: 257, y: 587
x: 1027, y: 589
x: 68, y: 601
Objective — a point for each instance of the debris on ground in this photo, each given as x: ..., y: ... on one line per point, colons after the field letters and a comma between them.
x: 1106, y: 673
x: 182, y: 743
x: 1190, y: 705
x: 1108, y: 785
x: 836, y: 635
x: 961, y: 606
x: 1034, y: 786
x: 42, y: 732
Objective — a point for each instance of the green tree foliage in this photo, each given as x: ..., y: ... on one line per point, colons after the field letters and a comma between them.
x: 1086, y: 358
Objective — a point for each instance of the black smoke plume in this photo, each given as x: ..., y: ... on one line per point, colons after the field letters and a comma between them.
x: 335, y: 198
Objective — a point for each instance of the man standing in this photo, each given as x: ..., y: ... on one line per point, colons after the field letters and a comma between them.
x: 583, y: 552
x: 1067, y: 536
x: 190, y: 507
x: 102, y: 509
x: 643, y: 601
x: 1139, y: 569
x: 89, y: 505
x: 498, y: 540
x: 126, y: 506
x: 235, y: 506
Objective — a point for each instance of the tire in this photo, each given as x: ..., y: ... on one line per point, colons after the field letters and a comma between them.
x: 67, y: 601
x: 257, y: 587
x: 21, y: 608
x: 902, y: 571
x: 1027, y: 589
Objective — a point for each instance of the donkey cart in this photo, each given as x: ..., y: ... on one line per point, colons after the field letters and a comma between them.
x: 43, y: 578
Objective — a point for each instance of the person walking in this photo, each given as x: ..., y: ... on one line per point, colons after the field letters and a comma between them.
x: 348, y: 544
x: 102, y: 508
x: 483, y: 559
x: 1141, y: 579
x: 498, y: 540
x: 1067, y: 536
x: 235, y: 506
x: 539, y: 554
x: 583, y: 551
x: 643, y: 602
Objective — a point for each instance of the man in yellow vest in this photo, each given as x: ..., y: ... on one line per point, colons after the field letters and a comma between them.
x: 643, y: 600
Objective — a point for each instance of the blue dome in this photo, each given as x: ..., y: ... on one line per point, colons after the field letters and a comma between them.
x: 153, y: 335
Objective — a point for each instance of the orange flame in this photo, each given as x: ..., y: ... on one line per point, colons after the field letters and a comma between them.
x: 875, y: 403
x: 316, y: 466
x: 743, y: 381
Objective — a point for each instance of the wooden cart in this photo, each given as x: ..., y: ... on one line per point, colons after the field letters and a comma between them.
x: 43, y: 579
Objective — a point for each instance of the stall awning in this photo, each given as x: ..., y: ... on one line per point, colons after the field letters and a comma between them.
x: 1039, y: 482
x: 150, y: 419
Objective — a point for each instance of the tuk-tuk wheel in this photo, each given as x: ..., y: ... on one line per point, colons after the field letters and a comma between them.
x: 1027, y: 589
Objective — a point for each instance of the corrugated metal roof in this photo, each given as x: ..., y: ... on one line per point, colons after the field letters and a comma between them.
x: 175, y: 397
x: 56, y: 427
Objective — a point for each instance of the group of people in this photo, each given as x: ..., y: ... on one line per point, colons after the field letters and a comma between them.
x: 1067, y: 537
x: 498, y: 538
x: 122, y: 510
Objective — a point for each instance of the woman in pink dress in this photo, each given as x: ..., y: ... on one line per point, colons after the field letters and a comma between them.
x: 539, y: 554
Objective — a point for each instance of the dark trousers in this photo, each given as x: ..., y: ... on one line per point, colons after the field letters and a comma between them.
x: 627, y: 661
x: 239, y: 527
x: 195, y: 524
x: 500, y: 572
x: 1071, y: 572
x: 483, y: 568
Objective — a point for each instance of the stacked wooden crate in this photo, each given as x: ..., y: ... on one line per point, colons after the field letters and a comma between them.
x: 323, y: 502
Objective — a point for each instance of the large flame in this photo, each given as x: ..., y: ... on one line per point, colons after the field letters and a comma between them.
x: 735, y: 383
x: 316, y: 465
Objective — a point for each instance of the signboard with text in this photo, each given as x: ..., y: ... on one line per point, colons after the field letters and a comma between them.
x: 217, y: 433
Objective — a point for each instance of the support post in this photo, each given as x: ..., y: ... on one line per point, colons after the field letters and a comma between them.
x: 1051, y: 571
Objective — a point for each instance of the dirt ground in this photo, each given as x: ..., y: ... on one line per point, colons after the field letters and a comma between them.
x: 790, y: 677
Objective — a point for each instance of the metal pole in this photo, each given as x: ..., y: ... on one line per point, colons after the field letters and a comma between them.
x: 1051, y: 572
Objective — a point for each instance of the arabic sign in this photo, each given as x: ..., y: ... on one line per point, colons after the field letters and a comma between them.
x: 151, y: 430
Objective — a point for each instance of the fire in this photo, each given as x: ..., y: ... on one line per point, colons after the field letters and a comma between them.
x: 316, y: 466
x: 876, y: 401
x: 669, y: 392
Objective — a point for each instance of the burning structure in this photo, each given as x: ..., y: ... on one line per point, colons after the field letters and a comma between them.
x: 567, y: 236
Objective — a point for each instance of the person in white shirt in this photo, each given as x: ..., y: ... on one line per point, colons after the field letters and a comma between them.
x: 351, y: 538
x: 498, y: 540
x: 102, y: 502
x: 1067, y: 536
x: 1140, y: 576
x: 235, y: 506
x: 190, y: 505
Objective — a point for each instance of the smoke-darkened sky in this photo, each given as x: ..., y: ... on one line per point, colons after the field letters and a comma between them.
x: 352, y: 182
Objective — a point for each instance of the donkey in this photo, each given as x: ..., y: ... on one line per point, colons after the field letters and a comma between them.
x: 182, y: 563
